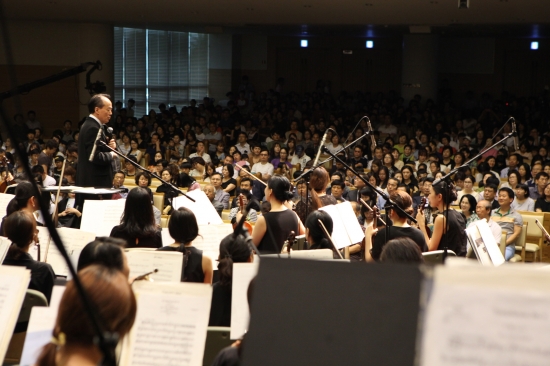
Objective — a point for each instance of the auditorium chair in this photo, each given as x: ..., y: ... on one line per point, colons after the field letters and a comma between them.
x: 521, y: 240
x: 535, y: 238
x: 436, y: 256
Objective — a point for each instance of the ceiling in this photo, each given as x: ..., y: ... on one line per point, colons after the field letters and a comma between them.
x: 375, y: 18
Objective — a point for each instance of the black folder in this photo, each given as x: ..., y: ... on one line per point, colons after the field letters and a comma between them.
x: 307, y: 312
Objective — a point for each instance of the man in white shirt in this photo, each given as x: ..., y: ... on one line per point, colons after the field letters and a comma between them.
x: 200, y: 153
x: 300, y: 157
x: 264, y: 166
x: 243, y: 146
x: 483, y: 211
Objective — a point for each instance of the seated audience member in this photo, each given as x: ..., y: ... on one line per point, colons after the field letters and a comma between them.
x: 20, y: 229
x: 220, y: 195
x: 337, y: 190
x: 483, y: 211
x: 454, y: 237
x: 137, y: 225
x: 130, y: 170
x: 169, y: 193
x: 184, y: 229
x: 104, y: 251
x: 523, y: 202
x: 468, y: 207
x: 232, y: 250
x: 273, y: 227
x: 399, y: 228
x: 210, y: 192
x: 542, y: 204
x: 508, y: 219
x: 236, y: 213
x: 47, y: 181
x: 74, y: 339
x: 69, y: 213
x: 118, y: 183
x: 264, y: 166
x: 537, y: 191
x: 490, y: 194
x: 315, y: 235
x: 401, y: 250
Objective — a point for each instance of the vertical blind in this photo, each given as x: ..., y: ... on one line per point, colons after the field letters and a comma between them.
x: 154, y: 67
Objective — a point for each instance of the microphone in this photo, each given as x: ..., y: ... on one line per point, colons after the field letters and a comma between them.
x: 109, y: 133
x: 323, y: 140
x: 95, y: 143
x: 515, y: 134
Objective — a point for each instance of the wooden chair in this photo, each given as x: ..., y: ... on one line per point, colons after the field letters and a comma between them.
x: 15, y: 349
x: 535, y: 239
x: 502, y: 244
x: 521, y: 240
x: 164, y: 219
x: 158, y: 200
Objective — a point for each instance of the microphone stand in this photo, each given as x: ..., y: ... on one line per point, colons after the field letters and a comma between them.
x: 323, y: 148
x: 389, y: 203
x: 173, y: 187
x: 447, y: 177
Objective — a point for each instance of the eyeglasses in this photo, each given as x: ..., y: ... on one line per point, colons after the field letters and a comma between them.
x: 264, y: 154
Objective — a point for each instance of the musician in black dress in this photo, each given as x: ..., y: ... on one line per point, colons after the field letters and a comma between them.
x: 453, y: 236
x: 183, y: 229
x: 273, y: 228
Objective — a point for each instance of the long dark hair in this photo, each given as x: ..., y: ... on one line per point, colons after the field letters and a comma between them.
x: 138, y: 219
x: 232, y: 250
x: 316, y: 232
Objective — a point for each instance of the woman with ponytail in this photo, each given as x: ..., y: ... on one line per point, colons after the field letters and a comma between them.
x: 232, y: 250
x: 318, y: 197
x: 73, y: 336
x: 273, y: 228
x: 20, y: 228
x: 24, y: 199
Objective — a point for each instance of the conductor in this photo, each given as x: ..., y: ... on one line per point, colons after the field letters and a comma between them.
x: 97, y: 172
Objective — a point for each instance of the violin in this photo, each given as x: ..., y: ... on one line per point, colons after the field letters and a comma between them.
x: 423, y: 203
x: 246, y: 224
x: 289, y: 242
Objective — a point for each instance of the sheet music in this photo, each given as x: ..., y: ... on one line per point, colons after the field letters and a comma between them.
x: 487, y: 316
x: 14, y: 281
x: 339, y: 234
x: 73, y: 240
x: 5, y: 244
x: 243, y: 273
x: 205, y: 213
x: 484, y: 244
x: 171, y: 324
x: 39, y: 333
x: 210, y: 238
x: 349, y: 219
x: 169, y: 264
x: 5, y: 198
x: 166, y: 238
x: 99, y: 217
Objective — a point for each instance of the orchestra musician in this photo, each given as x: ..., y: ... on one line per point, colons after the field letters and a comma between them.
x: 453, y: 236
x: 273, y: 227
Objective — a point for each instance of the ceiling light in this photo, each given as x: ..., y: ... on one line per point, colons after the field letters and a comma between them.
x: 370, y: 44
x: 534, y: 45
x: 303, y: 43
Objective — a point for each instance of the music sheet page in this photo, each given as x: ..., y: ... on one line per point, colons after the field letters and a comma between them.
x: 210, y: 238
x: 171, y: 324
x: 99, y: 217
x: 5, y: 244
x: 243, y: 273
x: 5, y: 198
x: 339, y: 234
x: 205, y: 213
x: 73, y: 240
x: 487, y: 316
x: 169, y: 264
x: 14, y: 281
x: 349, y: 219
